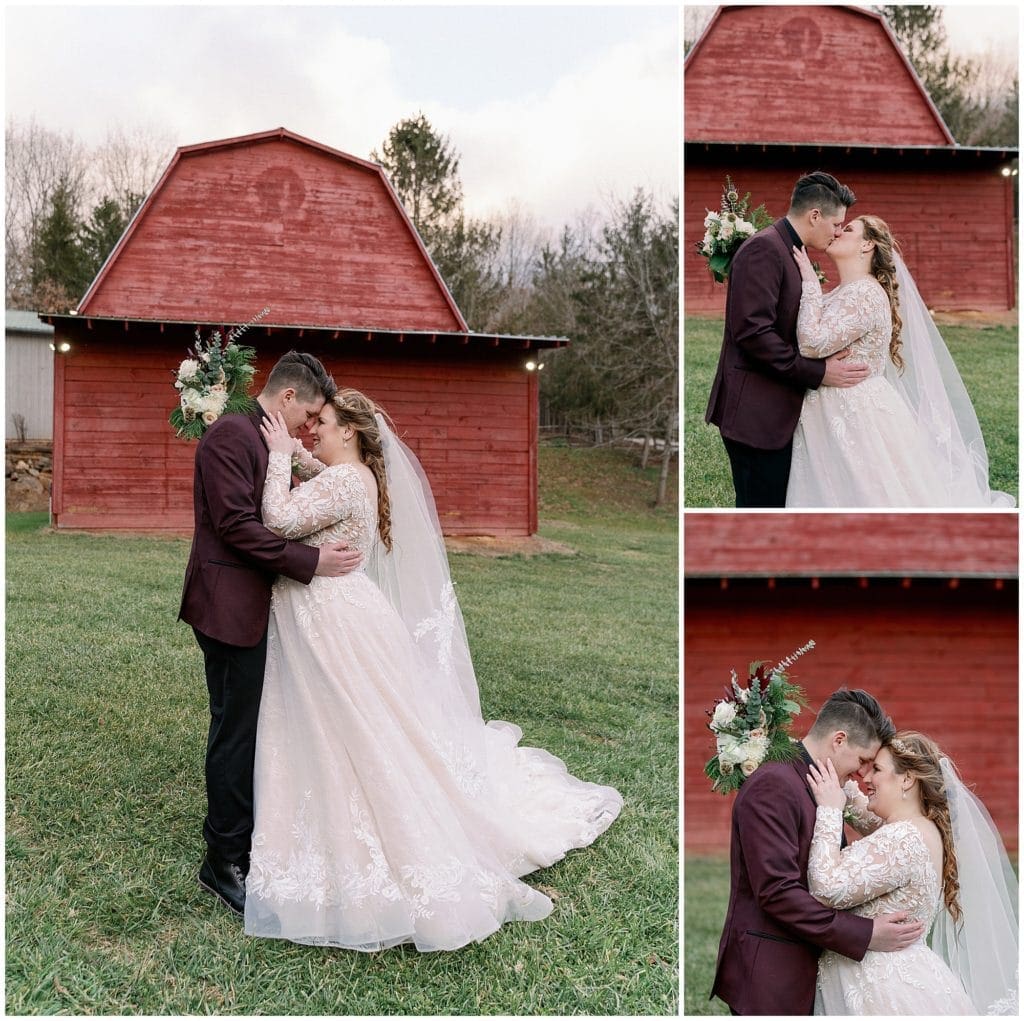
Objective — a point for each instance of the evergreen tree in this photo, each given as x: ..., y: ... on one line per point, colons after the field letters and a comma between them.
x: 60, y: 265
x: 950, y: 81
x: 423, y: 168
x: 104, y: 229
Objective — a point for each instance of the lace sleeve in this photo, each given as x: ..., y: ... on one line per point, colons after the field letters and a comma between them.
x: 314, y: 505
x: 864, y: 870
x: 823, y: 329
x: 304, y: 464
x: 857, y: 813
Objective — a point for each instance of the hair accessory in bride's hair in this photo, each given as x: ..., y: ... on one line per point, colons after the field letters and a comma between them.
x: 751, y: 724
x: 899, y: 746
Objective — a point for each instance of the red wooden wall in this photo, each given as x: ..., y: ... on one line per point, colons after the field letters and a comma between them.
x: 954, y: 224
x: 816, y: 74
x: 807, y: 545
x: 941, y: 660
x: 277, y: 222
x: 469, y: 415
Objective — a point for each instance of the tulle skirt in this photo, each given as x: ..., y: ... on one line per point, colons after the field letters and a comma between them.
x: 378, y: 820
x: 861, y: 446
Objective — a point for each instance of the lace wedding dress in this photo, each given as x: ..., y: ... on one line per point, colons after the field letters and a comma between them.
x: 857, y: 446
x: 380, y: 818
x: 888, y: 870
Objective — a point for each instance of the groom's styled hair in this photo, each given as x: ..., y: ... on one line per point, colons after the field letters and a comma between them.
x: 856, y: 712
x: 820, y: 191
x: 305, y: 374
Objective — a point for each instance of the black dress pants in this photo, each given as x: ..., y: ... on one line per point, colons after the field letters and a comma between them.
x: 760, y: 477
x: 234, y: 676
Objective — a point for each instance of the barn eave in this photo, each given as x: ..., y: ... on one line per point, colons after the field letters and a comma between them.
x: 299, y: 331
x: 715, y: 146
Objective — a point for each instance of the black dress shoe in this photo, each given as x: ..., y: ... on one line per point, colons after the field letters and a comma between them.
x: 224, y: 879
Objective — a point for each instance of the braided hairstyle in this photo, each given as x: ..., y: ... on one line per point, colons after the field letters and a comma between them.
x: 883, y: 269
x: 357, y: 410
x: 920, y: 758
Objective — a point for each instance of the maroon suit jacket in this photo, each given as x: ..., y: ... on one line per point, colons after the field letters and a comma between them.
x: 762, y: 377
x: 234, y: 558
x: 774, y: 929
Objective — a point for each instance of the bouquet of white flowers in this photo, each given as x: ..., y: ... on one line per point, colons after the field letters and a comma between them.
x: 213, y: 382
x: 725, y: 231
x: 751, y: 726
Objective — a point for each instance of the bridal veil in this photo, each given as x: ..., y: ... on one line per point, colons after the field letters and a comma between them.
x: 932, y: 387
x: 982, y: 948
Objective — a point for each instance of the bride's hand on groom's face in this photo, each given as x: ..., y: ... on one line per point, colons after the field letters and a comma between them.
x: 803, y: 263
x: 275, y: 432
x: 825, y: 786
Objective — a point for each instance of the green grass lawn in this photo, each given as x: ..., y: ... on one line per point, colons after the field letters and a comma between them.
x: 985, y: 356
x: 106, y: 720
x: 706, y: 897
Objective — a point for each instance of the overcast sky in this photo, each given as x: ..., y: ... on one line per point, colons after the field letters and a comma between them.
x: 556, y: 107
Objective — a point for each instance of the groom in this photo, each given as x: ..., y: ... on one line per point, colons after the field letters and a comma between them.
x: 226, y: 599
x: 762, y: 377
x: 774, y: 929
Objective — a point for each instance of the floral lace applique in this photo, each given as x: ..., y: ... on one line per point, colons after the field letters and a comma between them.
x: 890, y: 870
x: 442, y: 625
x: 330, y: 507
x: 856, y: 315
x: 465, y: 770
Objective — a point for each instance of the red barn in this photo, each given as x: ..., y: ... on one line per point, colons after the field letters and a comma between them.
x: 772, y: 93
x: 920, y: 610
x: 277, y: 221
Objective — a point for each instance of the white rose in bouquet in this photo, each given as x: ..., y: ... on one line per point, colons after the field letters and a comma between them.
x: 209, y: 417
x: 188, y: 368
x: 725, y: 713
x: 756, y: 748
x: 748, y: 766
x: 730, y: 749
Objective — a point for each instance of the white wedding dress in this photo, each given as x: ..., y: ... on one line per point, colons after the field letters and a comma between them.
x: 888, y: 870
x: 381, y: 817
x: 893, y: 440
x: 856, y: 446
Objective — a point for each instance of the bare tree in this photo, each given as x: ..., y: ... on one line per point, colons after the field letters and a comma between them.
x: 37, y: 162
x: 41, y: 163
x: 128, y: 163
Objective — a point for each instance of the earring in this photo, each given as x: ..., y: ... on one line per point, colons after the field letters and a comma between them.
x: 904, y: 793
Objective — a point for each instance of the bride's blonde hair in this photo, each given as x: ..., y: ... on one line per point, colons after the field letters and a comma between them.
x: 357, y: 410
x: 883, y: 269
x: 919, y: 756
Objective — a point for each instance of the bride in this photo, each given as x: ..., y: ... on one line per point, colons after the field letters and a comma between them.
x: 908, y: 435
x: 932, y: 850
x: 386, y: 810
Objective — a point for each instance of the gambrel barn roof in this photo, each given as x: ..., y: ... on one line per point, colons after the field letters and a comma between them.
x: 807, y: 75
x: 273, y: 219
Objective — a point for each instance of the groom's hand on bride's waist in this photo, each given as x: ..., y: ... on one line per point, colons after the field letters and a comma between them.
x: 840, y: 371
x: 337, y: 559
x: 895, y: 932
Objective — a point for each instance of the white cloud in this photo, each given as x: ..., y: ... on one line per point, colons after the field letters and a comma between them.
x: 604, y: 124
